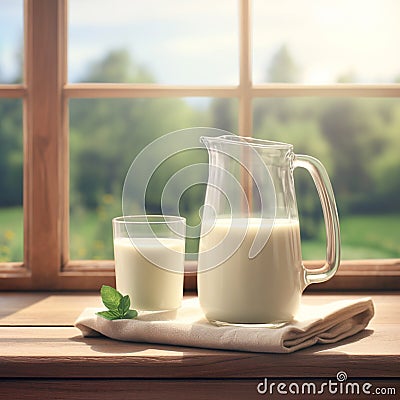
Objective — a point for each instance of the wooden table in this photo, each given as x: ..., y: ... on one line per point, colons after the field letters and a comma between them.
x: 42, y: 355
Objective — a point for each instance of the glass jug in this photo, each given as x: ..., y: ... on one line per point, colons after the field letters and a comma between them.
x: 250, y: 268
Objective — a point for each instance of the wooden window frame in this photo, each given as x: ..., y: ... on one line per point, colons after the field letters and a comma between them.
x: 45, y: 93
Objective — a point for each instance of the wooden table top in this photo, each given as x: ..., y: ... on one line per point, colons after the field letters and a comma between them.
x: 38, y: 340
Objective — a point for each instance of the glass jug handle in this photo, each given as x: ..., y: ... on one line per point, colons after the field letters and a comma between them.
x: 326, y: 196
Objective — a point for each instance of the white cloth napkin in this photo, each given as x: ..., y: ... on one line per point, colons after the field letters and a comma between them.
x: 187, y: 326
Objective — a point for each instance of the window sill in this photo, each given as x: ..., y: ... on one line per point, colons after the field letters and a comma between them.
x: 84, y: 275
x: 39, y: 344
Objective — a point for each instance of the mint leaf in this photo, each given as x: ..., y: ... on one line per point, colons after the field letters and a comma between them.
x: 130, y: 314
x: 118, y: 305
x: 124, y: 305
x: 110, y: 315
x: 110, y: 297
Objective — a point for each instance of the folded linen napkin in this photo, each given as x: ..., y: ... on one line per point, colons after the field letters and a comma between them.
x: 187, y: 326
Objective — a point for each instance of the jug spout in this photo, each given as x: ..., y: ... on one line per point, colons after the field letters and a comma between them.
x: 210, y: 141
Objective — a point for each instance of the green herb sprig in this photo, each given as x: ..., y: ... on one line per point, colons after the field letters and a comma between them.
x: 118, y: 305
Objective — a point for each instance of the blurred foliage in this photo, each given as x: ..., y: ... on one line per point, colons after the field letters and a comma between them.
x: 107, y: 134
x: 358, y: 141
x: 11, y: 156
x: 283, y: 68
x: 11, y: 234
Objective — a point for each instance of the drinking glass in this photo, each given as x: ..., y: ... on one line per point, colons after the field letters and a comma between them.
x: 149, y: 252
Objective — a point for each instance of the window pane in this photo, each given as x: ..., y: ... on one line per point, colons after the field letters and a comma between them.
x: 11, y: 158
x: 358, y: 141
x: 105, y: 137
x: 174, y: 42
x: 11, y: 41
x: 313, y: 41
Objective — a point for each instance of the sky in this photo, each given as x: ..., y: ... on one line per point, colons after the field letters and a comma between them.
x: 196, y: 42
x: 11, y: 37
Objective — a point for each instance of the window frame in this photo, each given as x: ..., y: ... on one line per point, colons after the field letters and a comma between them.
x: 46, y: 92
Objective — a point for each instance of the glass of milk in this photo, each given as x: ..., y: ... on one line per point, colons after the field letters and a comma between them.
x: 149, y: 253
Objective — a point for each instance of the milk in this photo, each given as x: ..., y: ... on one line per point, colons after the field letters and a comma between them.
x: 139, y: 274
x: 263, y: 289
